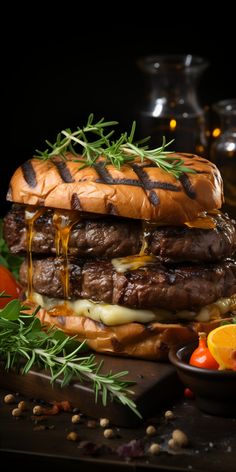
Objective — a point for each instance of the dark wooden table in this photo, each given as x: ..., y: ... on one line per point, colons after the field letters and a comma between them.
x: 212, y: 439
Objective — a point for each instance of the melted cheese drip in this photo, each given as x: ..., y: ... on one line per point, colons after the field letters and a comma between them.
x: 31, y: 215
x: 204, y: 220
x: 113, y: 315
x: 63, y: 222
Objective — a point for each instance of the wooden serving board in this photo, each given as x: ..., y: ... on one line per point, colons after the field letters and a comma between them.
x: 156, y: 384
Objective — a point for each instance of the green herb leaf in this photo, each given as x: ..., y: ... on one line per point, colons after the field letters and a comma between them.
x: 24, y: 341
x: 116, y: 153
x: 11, y: 311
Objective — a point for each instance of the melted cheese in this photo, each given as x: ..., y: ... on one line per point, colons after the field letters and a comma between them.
x: 204, y: 220
x: 113, y: 315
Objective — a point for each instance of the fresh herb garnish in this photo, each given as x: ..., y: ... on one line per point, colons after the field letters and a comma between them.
x: 8, y: 260
x: 118, y: 152
x: 23, y: 344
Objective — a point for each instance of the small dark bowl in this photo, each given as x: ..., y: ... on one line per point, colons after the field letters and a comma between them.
x: 215, y: 391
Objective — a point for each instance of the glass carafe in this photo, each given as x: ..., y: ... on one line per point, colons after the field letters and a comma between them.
x: 171, y: 106
x: 223, y: 151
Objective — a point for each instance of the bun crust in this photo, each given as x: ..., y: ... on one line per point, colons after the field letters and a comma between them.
x: 152, y: 341
x: 139, y: 190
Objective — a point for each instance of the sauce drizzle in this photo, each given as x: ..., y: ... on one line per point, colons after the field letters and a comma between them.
x: 31, y: 215
x: 63, y: 221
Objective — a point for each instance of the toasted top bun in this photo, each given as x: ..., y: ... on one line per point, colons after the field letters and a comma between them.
x: 138, y: 190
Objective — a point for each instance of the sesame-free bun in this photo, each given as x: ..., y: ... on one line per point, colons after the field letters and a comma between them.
x: 145, y: 341
x: 138, y: 190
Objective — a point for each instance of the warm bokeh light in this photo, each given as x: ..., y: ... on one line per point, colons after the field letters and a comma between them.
x: 216, y: 132
x: 199, y: 149
x: 173, y: 124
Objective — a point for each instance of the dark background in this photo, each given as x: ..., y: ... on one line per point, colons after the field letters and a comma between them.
x: 54, y: 76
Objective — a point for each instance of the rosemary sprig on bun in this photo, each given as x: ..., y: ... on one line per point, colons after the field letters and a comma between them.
x: 118, y: 152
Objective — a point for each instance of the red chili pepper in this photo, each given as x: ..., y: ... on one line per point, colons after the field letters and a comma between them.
x: 202, y: 357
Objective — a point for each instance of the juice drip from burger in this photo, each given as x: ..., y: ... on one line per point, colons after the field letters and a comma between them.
x: 63, y: 222
x: 142, y: 259
x: 31, y: 215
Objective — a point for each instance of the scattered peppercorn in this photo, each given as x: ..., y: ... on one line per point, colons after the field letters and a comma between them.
x: 169, y: 415
x: 108, y: 433
x: 9, y: 398
x: 104, y: 422
x: 151, y: 430
x: 72, y: 436
x: 180, y: 438
x: 16, y: 412
x: 172, y: 444
x: 75, y: 419
x: 38, y: 410
x: 154, y: 449
x: 22, y: 405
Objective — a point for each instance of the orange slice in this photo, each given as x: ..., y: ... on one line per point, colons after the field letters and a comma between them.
x: 222, y: 345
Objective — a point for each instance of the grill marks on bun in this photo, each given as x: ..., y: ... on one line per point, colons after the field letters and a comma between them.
x: 75, y: 202
x: 63, y: 170
x: 138, y: 190
x: 29, y: 174
x: 187, y: 185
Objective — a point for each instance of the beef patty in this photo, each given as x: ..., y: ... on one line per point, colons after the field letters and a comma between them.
x: 175, y: 288
x: 109, y: 237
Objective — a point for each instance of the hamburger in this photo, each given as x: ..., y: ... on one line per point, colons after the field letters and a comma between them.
x: 133, y: 259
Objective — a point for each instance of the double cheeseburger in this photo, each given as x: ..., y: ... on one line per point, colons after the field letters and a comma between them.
x: 132, y: 260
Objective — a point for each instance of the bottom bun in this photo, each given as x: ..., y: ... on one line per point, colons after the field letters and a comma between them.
x: 144, y: 341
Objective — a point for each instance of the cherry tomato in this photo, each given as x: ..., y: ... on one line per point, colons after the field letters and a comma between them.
x: 9, y: 285
x: 202, y: 357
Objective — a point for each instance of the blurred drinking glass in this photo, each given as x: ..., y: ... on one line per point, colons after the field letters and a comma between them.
x: 223, y: 150
x: 171, y: 107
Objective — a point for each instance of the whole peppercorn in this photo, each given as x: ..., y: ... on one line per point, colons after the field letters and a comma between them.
x: 104, y: 422
x: 72, y: 436
x: 151, y: 430
x: 172, y: 444
x: 9, y: 398
x: 16, y: 412
x: 180, y: 438
x: 154, y: 449
x: 108, y: 433
x: 22, y: 405
x: 38, y: 410
x: 169, y: 415
x: 75, y: 419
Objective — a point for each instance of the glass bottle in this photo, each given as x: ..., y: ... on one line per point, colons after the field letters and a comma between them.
x: 171, y: 107
x: 223, y: 150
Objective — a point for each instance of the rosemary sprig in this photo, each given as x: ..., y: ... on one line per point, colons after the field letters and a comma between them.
x: 117, y: 153
x: 23, y: 344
